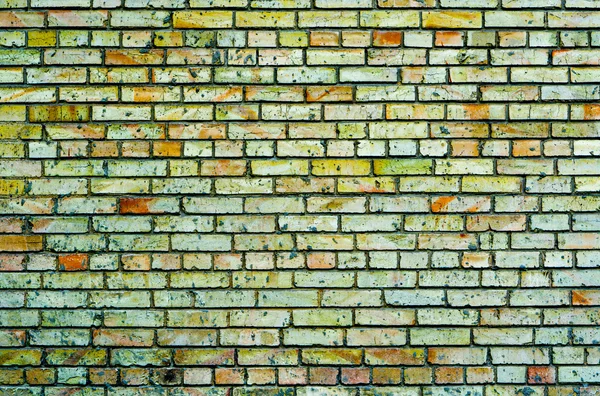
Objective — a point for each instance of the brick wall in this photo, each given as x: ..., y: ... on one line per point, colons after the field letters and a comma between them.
x: 310, y: 197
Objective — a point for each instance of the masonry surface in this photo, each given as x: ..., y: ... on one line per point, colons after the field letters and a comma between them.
x: 300, y: 197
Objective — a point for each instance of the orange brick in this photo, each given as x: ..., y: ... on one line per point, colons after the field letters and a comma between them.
x: 320, y: 260
x: 105, y: 149
x: 136, y: 149
x: 465, y: 148
x: 323, y: 375
x: 355, y: 376
x: 541, y: 375
x: 449, y: 375
x: 324, y: 39
x: 449, y: 39
x: 384, y: 38
x: 526, y: 148
x: 73, y: 262
x: 40, y: 376
x: 387, y: 375
x: 167, y: 149
x: 229, y: 376
x: 223, y: 167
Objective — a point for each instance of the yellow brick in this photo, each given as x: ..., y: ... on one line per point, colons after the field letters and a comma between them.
x: 271, y: 19
x: 41, y: 38
x: 202, y: 19
x: 452, y: 20
x: 333, y: 167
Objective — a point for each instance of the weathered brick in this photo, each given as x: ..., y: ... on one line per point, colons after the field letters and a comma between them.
x: 272, y: 189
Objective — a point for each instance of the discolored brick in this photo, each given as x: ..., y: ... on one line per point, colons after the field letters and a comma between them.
x: 277, y: 197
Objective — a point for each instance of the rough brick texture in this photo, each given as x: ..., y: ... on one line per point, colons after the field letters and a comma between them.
x: 300, y: 197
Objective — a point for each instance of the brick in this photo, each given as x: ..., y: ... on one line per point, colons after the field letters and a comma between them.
x: 265, y: 19
x: 386, y: 19
x: 312, y: 19
x: 271, y: 356
x: 18, y: 243
x: 24, y: 357
x: 78, y: 18
x: 402, y: 167
x: 335, y: 57
x: 332, y: 356
x: 452, y: 19
x: 346, y: 196
x: 20, y: 57
x: 15, y: 19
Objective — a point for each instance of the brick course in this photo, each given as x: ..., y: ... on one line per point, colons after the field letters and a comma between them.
x: 300, y: 197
